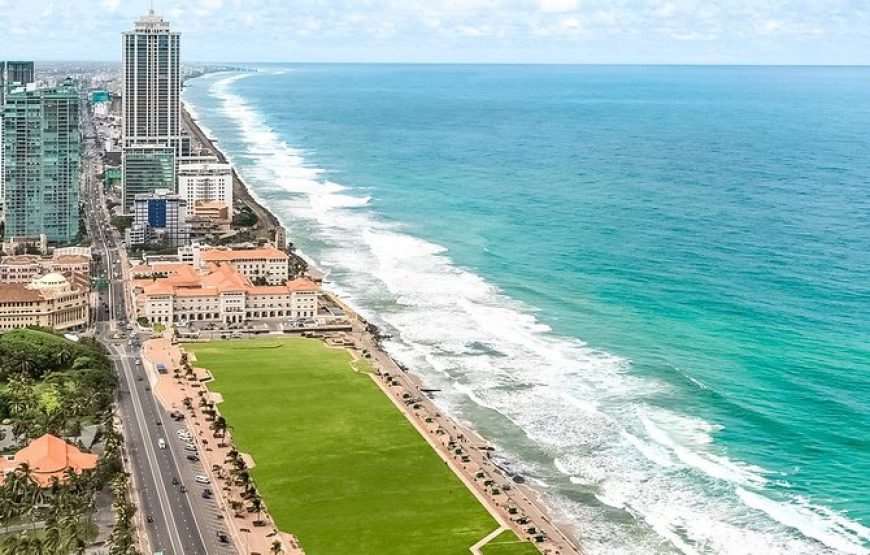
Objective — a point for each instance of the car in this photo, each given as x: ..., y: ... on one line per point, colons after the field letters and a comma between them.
x: 201, y: 479
x: 190, y: 447
x: 206, y: 494
x: 193, y: 458
x: 182, y: 489
x: 174, y: 481
x: 161, y: 443
x: 158, y: 423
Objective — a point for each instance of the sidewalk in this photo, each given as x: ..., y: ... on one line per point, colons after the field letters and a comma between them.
x: 172, y: 389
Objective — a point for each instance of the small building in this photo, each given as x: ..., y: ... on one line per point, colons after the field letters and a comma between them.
x: 209, y: 218
x: 48, y: 457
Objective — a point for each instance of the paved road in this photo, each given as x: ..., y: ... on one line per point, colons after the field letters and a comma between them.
x: 182, y: 523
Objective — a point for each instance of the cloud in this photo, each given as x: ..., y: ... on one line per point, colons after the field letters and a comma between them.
x: 557, y: 6
x: 507, y: 30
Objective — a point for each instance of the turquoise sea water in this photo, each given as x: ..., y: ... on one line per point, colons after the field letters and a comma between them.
x: 649, y: 286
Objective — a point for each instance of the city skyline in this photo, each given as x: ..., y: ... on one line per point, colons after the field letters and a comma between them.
x: 450, y: 31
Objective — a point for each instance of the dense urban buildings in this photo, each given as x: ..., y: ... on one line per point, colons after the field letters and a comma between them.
x: 159, y: 218
x: 146, y: 168
x: 50, y: 301
x: 42, y: 154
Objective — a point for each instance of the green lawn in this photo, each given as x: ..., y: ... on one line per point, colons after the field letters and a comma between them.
x: 337, y: 464
x: 507, y: 543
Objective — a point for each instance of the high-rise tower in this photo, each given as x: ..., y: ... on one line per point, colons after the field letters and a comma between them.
x: 42, y: 158
x: 152, y: 83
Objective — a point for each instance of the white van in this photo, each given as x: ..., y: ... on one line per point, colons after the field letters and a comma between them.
x: 161, y: 443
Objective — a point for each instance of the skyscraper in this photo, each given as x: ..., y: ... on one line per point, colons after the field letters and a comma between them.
x: 152, y: 83
x: 41, y: 162
x: 151, y: 107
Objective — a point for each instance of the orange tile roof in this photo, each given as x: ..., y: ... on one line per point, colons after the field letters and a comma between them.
x: 18, y: 292
x: 219, y: 278
x: 49, y: 457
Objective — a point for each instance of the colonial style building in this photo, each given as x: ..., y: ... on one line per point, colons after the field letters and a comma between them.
x: 49, y: 301
x: 218, y: 292
x: 25, y: 267
x: 265, y: 264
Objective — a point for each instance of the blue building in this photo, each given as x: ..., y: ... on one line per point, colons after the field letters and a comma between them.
x: 159, y: 220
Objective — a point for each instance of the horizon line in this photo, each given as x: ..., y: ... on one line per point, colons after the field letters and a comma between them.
x: 483, y: 63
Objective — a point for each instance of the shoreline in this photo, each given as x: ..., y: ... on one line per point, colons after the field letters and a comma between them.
x: 390, y: 371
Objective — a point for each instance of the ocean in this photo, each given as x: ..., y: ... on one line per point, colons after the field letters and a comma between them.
x: 649, y: 287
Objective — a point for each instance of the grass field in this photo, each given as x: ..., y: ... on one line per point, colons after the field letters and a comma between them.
x: 507, y: 543
x: 336, y: 463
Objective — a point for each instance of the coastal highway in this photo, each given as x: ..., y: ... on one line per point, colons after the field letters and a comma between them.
x: 181, y: 522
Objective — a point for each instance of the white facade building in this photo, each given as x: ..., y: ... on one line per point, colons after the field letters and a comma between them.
x: 152, y: 83
x: 208, y: 180
x: 178, y: 294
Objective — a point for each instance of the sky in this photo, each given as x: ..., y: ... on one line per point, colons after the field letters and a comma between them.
x: 500, y: 31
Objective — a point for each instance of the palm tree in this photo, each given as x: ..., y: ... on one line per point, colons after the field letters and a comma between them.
x: 276, y: 547
x: 52, y: 539
x: 256, y: 505
x: 220, y: 426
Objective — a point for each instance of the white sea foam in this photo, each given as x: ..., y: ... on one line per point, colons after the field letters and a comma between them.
x: 582, y: 407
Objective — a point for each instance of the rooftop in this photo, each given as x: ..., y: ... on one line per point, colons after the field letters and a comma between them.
x: 230, y: 255
x: 49, y: 457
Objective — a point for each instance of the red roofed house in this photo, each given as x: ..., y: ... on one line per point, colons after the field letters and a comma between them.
x: 49, y: 457
x: 221, y: 292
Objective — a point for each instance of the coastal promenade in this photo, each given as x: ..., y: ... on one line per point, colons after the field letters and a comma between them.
x: 512, y: 503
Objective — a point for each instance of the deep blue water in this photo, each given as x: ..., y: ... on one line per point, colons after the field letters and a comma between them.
x: 649, y: 286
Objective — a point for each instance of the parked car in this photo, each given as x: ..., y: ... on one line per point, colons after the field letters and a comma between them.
x: 193, y: 458
x: 200, y: 479
x: 190, y: 447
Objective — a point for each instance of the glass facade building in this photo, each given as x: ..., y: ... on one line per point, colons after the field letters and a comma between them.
x: 41, y: 162
x: 145, y: 169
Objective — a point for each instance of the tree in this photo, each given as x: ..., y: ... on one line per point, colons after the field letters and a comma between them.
x: 256, y: 504
x: 276, y: 547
